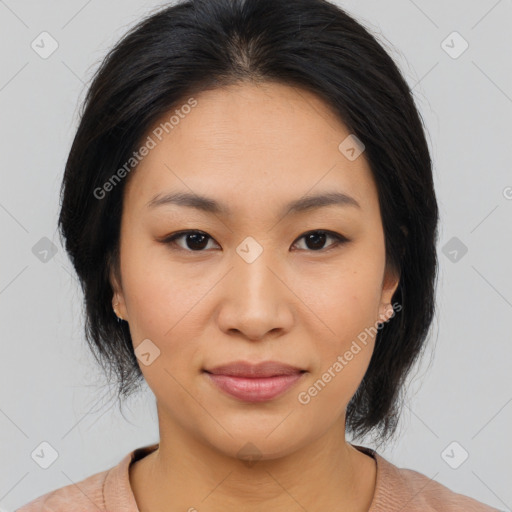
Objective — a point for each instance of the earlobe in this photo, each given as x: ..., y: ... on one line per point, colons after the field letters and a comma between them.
x: 386, y: 312
x: 117, y: 300
x: 389, y: 287
x: 115, y: 305
x: 119, y: 307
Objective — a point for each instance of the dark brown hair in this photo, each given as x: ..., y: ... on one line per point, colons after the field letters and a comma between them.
x: 197, y: 45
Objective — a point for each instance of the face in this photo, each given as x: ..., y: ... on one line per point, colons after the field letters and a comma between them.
x: 255, y: 280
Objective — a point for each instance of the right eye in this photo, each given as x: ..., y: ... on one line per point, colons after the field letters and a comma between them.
x: 194, y: 240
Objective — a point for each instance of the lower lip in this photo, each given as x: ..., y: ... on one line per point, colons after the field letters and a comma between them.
x: 254, y: 389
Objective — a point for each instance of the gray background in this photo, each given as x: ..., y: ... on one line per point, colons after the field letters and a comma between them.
x: 51, y: 389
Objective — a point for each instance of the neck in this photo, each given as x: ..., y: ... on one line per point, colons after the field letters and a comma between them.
x: 185, y: 474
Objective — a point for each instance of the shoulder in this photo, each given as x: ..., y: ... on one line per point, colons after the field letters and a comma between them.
x: 83, y: 496
x: 428, y: 494
x: 407, y: 489
x: 102, y: 492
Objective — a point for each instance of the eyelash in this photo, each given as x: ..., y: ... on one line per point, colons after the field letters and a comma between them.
x: 339, y: 239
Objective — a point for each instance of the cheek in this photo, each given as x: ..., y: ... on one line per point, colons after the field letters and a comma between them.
x: 162, y: 310
x: 334, y: 382
x: 345, y: 297
x: 344, y: 352
x: 157, y: 294
x: 165, y: 308
x: 347, y: 303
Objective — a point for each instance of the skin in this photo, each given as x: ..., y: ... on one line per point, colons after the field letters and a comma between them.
x: 253, y: 148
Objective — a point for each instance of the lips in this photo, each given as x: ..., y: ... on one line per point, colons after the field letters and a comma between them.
x: 254, y: 382
x: 259, y: 370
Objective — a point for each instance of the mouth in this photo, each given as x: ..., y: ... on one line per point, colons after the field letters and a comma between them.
x: 257, y: 370
x: 254, y: 382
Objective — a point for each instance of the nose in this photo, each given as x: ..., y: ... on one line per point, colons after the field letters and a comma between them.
x: 255, y: 300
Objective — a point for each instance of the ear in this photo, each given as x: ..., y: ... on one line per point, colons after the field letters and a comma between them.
x: 390, y: 283
x: 118, y: 296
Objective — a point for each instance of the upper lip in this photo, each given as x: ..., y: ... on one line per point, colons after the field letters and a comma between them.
x: 263, y: 369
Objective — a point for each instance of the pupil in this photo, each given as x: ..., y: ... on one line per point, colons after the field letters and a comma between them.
x: 194, y: 238
x: 315, y: 238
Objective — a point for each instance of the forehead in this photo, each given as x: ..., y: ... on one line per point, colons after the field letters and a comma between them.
x: 266, y: 142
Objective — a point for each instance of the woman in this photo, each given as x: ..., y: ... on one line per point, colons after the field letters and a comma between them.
x: 249, y: 205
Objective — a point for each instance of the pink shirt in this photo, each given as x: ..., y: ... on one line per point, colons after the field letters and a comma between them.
x: 396, y: 489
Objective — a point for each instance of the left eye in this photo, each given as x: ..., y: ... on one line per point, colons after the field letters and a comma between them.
x: 318, y: 238
x: 197, y: 240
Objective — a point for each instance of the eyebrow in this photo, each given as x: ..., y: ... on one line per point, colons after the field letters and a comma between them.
x: 210, y: 205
